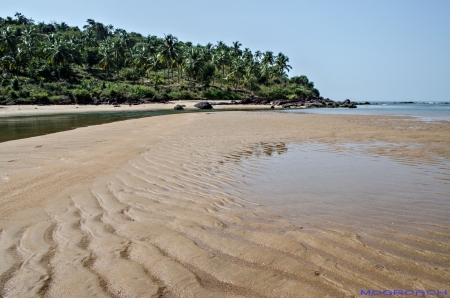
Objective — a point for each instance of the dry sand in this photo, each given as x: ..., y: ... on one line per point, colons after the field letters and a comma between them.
x: 26, y: 110
x: 136, y: 209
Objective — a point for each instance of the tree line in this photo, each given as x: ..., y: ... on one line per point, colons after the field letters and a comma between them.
x: 59, y: 59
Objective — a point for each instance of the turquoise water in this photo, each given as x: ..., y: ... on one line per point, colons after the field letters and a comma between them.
x: 426, y: 111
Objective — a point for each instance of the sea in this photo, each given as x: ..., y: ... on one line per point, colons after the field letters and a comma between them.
x: 423, y: 110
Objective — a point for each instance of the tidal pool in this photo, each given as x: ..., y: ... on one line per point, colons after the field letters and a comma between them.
x: 315, y: 182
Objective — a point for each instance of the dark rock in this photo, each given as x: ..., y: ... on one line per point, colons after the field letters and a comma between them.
x: 347, y: 101
x: 272, y: 107
x: 254, y: 101
x: 117, y: 106
x: 203, y: 105
x: 352, y: 106
x: 178, y: 107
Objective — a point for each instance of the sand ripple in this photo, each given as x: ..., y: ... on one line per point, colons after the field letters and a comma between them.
x: 172, y: 222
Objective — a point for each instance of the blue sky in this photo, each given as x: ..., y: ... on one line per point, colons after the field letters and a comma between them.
x: 369, y: 50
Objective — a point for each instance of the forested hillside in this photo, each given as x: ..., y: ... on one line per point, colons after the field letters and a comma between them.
x: 55, y: 63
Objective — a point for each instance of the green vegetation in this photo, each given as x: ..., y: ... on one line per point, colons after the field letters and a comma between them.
x: 58, y: 64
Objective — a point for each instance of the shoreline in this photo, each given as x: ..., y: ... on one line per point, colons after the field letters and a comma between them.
x: 35, y: 110
x: 145, y: 198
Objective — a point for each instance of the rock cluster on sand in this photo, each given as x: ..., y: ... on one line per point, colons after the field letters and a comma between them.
x: 203, y: 105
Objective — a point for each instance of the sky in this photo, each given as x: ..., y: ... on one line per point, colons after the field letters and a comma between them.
x: 371, y: 50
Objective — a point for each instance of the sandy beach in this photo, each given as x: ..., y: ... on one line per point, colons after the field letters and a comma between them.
x: 35, y: 110
x: 138, y: 208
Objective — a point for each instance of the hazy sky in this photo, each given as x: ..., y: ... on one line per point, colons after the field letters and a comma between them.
x: 366, y: 50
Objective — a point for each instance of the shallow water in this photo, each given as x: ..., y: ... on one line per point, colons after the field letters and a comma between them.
x: 312, y: 181
x: 19, y: 127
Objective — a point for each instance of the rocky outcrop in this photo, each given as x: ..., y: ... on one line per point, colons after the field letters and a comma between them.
x: 254, y: 101
x: 299, y: 102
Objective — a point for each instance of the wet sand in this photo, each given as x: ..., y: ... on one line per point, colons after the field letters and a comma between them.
x: 151, y: 208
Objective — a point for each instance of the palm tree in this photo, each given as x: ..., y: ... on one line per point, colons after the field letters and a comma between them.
x: 28, y: 49
x: 169, y: 51
x: 138, y: 58
x: 57, y: 53
x: 258, y: 56
x: 281, y: 63
x: 151, y: 63
x: 8, y: 40
x: 236, y: 48
x: 237, y: 71
x: 101, y: 31
x: 106, y: 51
x: 220, y: 59
x: 9, y: 63
x: 192, y: 63
x: 268, y: 58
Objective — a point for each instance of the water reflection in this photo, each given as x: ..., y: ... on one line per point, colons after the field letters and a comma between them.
x: 347, y: 187
x: 258, y: 150
x: 19, y: 127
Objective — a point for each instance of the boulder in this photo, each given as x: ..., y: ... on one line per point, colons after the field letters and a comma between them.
x: 203, y: 105
x: 178, y: 107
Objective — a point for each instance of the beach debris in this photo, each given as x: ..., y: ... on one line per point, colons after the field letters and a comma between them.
x: 316, y: 273
x: 117, y: 106
x: 178, y: 107
x: 203, y: 105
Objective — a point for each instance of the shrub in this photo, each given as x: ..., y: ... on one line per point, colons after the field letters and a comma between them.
x: 96, y: 92
x: 299, y: 80
x: 277, y: 93
x: 12, y: 94
x: 299, y: 91
x: 161, y: 95
x: 118, y: 91
x: 40, y: 98
x: 24, y: 93
x: 82, y: 96
x: 220, y: 94
x: 15, y: 84
x: 129, y: 74
x: 315, y: 92
x: 181, y: 95
x: 143, y: 92
x: 59, y: 99
x: 112, y: 92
